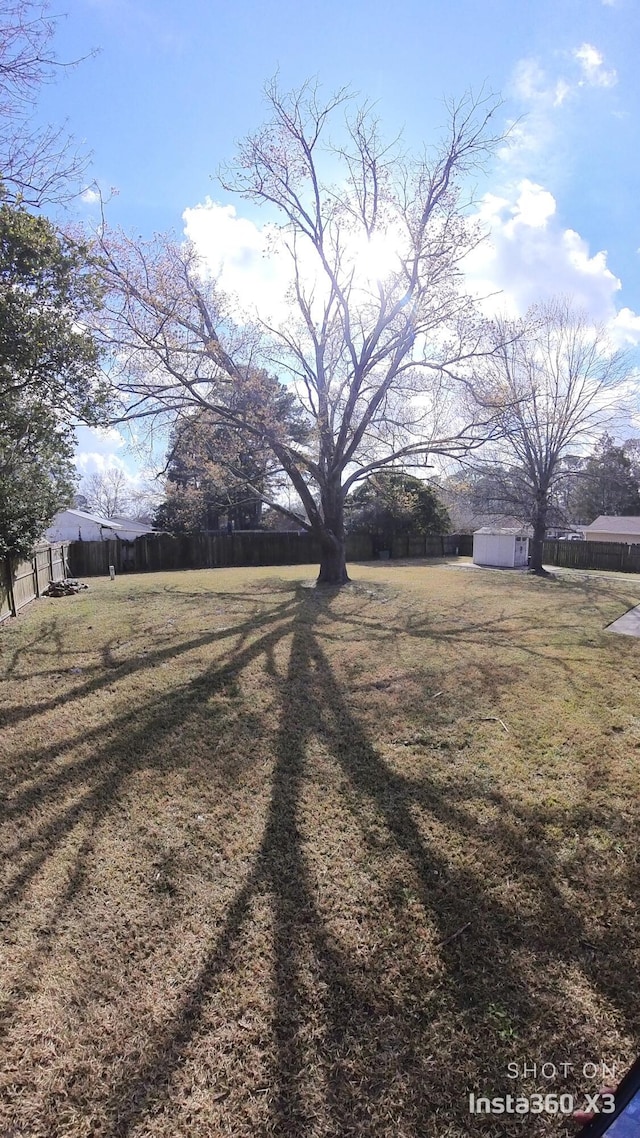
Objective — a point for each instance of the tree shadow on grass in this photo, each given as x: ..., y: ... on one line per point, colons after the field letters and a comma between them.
x: 372, y: 1071
x: 354, y: 1032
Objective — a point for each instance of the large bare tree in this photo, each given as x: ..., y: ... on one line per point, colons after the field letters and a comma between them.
x: 560, y: 383
x: 379, y: 331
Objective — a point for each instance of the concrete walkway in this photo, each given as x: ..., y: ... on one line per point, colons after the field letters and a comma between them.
x: 627, y: 625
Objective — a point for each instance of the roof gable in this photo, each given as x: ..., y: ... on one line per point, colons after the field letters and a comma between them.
x: 613, y: 524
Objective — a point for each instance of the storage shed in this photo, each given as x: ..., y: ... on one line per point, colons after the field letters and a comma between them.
x: 502, y: 548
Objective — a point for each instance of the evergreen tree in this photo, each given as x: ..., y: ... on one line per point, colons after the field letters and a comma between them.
x: 608, y: 483
x: 215, y: 472
x: 391, y: 504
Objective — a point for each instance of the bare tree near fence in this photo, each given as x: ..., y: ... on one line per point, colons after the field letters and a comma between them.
x: 379, y: 333
x: 560, y: 383
x: 108, y: 492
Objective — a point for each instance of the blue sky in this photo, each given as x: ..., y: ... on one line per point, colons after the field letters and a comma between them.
x: 174, y: 85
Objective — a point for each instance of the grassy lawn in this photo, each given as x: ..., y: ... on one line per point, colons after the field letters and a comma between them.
x: 282, y: 861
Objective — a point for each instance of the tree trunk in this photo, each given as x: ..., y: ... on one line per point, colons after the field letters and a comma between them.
x: 333, y: 565
x: 537, y: 541
x: 333, y: 551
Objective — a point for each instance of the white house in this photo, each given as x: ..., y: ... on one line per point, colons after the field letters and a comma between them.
x: 504, y: 548
x: 79, y: 525
x: 624, y: 530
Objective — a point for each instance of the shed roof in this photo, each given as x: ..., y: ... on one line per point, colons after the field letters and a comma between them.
x: 512, y: 531
x: 614, y: 524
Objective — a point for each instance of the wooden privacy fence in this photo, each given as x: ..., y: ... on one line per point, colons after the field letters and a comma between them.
x: 161, y: 551
x: 593, y: 555
x: 24, y: 581
x: 447, y: 545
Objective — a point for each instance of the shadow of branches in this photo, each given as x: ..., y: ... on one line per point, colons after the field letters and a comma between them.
x: 371, y: 948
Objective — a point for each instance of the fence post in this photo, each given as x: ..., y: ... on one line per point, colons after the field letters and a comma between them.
x: 12, y: 599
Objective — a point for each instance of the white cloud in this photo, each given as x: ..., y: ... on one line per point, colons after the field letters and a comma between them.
x: 534, y: 206
x: 103, y: 440
x: 249, y: 261
x: 591, y: 63
x: 98, y: 449
x: 531, y: 84
x: 529, y: 256
x: 92, y: 462
x: 542, y: 98
x: 547, y: 100
x: 625, y: 328
x: 255, y: 264
x: 90, y: 196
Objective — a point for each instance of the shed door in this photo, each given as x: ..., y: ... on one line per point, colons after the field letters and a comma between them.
x: 521, y: 551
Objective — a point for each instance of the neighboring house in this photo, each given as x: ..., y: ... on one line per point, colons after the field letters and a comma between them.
x: 624, y: 530
x: 79, y: 525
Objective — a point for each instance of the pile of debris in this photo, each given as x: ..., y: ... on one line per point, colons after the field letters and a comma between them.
x: 64, y: 588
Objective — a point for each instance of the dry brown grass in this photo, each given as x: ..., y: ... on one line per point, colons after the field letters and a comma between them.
x: 244, y: 823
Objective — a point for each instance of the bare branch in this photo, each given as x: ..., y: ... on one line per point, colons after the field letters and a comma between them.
x: 38, y: 165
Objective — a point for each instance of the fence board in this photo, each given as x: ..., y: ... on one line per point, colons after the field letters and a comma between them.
x: 24, y: 584
x: 56, y: 567
x: 7, y: 606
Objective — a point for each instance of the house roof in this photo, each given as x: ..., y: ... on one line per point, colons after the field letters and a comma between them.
x: 614, y: 524
x: 133, y: 524
x: 84, y: 516
x: 115, y: 524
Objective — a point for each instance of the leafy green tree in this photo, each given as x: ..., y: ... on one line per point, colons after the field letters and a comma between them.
x: 391, y: 504
x: 36, y: 474
x: 608, y: 483
x: 47, y: 286
x: 49, y: 374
